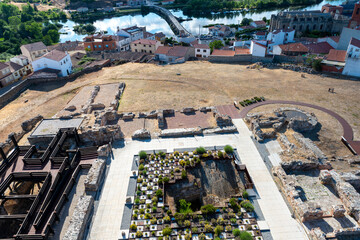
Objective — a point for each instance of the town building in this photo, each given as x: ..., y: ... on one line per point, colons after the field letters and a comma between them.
x: 201, y: 50
x: 352, y: 65
x: 302, y: 21
x: 176, y: 54
x: 55, y: 60
x: 149, y: 35
x: 260, y: 36
x: 291, y: 49
x: 223, y: 53
x: 332, y: 9
x: 220, y: 30
x: 345, y: 37
x: 278, y: 37
x: 134, y: 32
x: 355, y: 18
x: 333, y: 40
x: 136, y: 2
x: 33, y: 50
x: 82, y: 9
x: 258, y: 48
x: 23, y: 61
x: 99, y: 43
x: 334, y: 61
x: 160, y: 36
x: 6, y: 76
x: 145, y: 46
x: 122, y: 43
x: 258, y: 24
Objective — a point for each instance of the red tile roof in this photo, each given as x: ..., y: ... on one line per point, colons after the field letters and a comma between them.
x: 178, y: 51
x: 55, y: 55
x: 355, y: 42
x: 202, y: 46
x: 319, y: 48
x: 162, y: 50
x: 259, y: 44
x: 260, y: 22
x: 242, y: 51
x: 336, y: 55
x: 218, y: 52
x: 145, y: 41
x: 261, y: 33
x: 335, y: 38
x: 294, y: 47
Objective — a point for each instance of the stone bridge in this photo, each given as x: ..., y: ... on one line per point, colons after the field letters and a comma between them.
x: 182, y: 34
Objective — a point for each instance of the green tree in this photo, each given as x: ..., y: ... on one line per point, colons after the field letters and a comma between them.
x: 217, y: 44
x: 245, y: 236
x: 54, y: 35
x: 167, y: 231
x: 218, y: 230
x: 184, y: 207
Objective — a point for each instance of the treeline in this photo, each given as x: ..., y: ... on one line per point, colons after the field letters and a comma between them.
x: 195, y: 7
x: 18, y: 27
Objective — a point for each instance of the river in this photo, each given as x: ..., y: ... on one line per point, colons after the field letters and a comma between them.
x: 155, y: 23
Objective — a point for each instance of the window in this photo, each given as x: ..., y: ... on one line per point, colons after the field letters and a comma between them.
x: 198, y: 50
x: 99, y: 46
x: 204, y: 50
x: 144, y: 45
x: 45, y: 65
x: 135, y: 44
x: 89, y: 46
x: 106, y: 45
x: 95, y: 46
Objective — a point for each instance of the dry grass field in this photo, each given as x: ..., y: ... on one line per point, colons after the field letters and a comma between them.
x: 193, y: 84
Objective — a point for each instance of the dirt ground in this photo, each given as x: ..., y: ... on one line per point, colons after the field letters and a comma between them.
x: 199, y: 84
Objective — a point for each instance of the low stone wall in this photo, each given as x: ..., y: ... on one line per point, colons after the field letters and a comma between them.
x: 347, y: 193
x: 96, y: 171
x: 308, y: 144
x: 239, y: 59
x: 288, y: 184
x: 181, y: 132
x: 79, y: 218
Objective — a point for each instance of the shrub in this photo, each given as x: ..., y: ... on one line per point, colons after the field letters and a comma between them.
x: 228, y: 149
x: 200, y: 150
x: 166, y: 179
x: 137, y: 200
x: 147, y: 215
x: 245, y: 194
x: 208, y: 228
x: 142, y: 155
x: 236, y: 232
x: 159, y: 193
x: 187, y: 223
x: 194, y: 230
x: 167, y: 231
x: 218, y: 230
x: 245, y: 235
x: 247, y: 205
x: 188, y: 236
x: 176, y: 153
x: 220, y: 221
x: 184, y: 207
x: 183, y: 174
x: 141, y: 167
x: 177, y: 169
x: 166, y: 219
x: 139, y: 234
x: 162, y: 154
x: 202, y: 236
x: 153, y: 221
x: 208, y: 209
x: 220, y: 154
x: 233, y: 220
x: 228, y: 228
x: 133, y: 227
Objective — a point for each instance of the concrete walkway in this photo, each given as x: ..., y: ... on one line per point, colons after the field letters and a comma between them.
x: 107, y: 219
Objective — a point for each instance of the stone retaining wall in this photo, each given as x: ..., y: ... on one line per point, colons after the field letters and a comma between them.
x: 79, y: 218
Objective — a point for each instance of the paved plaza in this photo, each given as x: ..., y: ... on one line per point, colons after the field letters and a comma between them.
x: 106, y: 222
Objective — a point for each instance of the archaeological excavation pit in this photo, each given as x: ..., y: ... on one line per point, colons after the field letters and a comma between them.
x: 210, y: 182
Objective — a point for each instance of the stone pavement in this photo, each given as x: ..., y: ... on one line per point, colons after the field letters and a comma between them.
x: 107, y: 219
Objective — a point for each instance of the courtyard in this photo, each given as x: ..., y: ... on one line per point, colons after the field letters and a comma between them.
x: 112, y: 216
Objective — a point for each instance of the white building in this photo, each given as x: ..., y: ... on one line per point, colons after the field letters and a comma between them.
x: 352, y: 65
x: 134, y: 32
x: 122, y: 43
x: 258, y: 48
x: 278, y: 37
x: 201, y: 50
x: 56, y: 60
